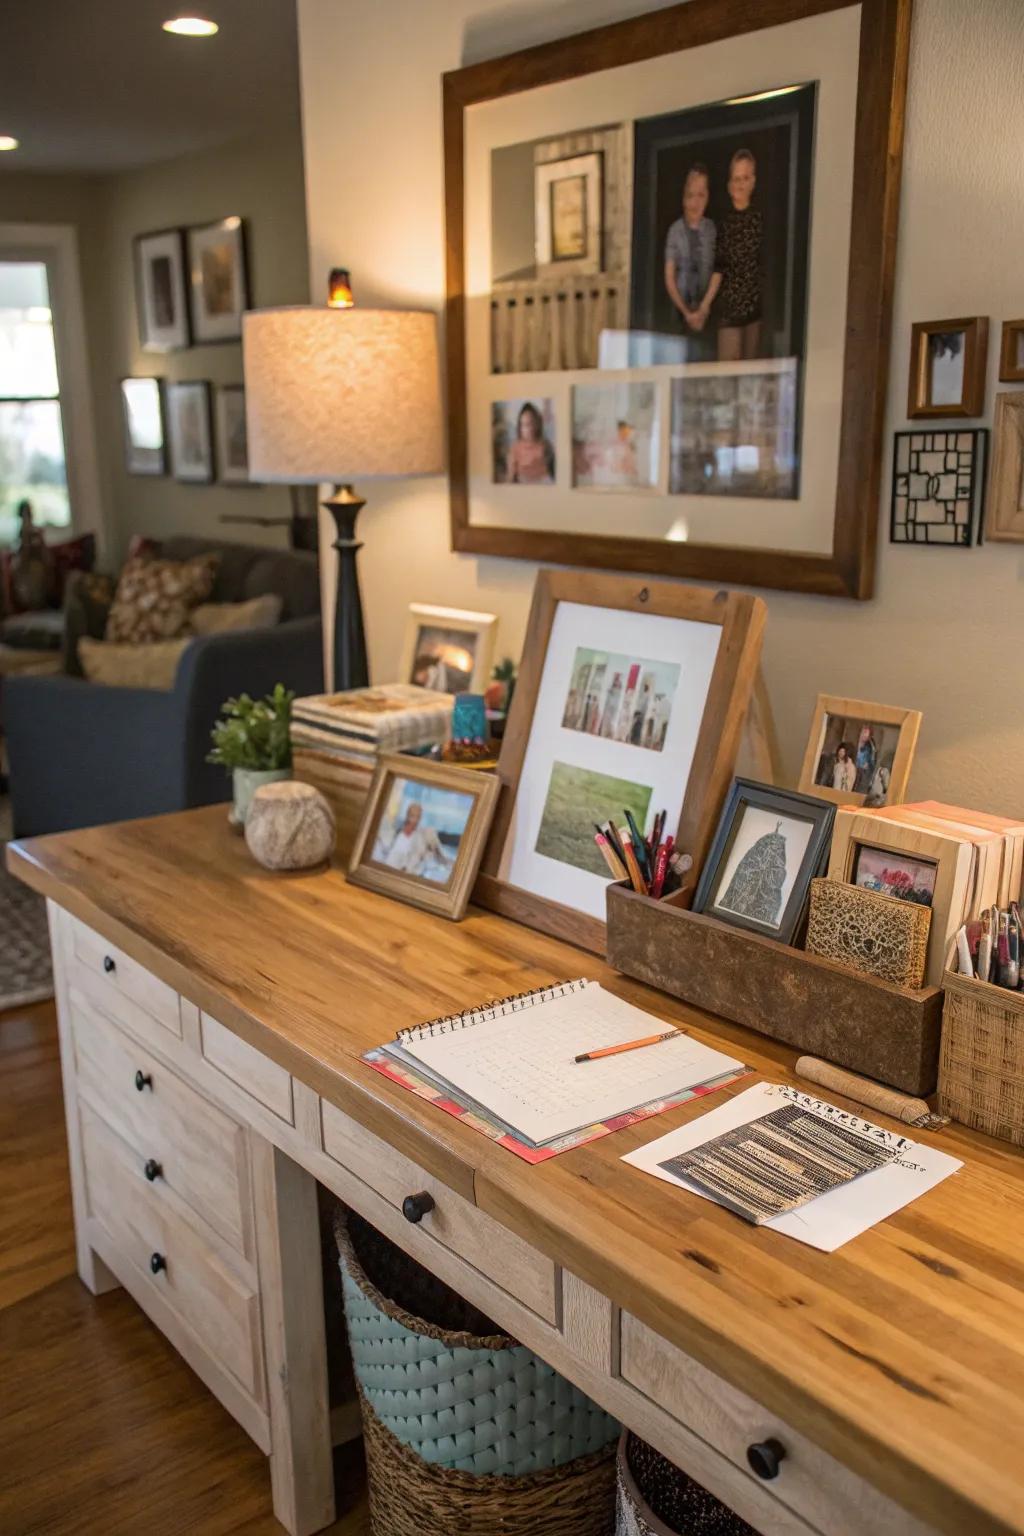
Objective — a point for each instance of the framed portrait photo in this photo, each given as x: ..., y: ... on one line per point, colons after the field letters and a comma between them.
x: 769, y: 846
x: 189, y: 431
x: 230, y: 433
x: 947, y: 367
x: 423, y: 832
x: 448, y: 649
x: 218, y: 279
x: 859, y: 753
x: 143, y: 417
x: 674, y: 239
x: 631, y: 696
x: 1004, y: 507
x: 160, y: 291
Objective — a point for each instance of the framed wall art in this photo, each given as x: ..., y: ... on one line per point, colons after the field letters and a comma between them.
x: 230, y: 434
x: 947, y: 368
x: 189, y: 431
x: 631, y: 695
x: 1011, y: 352
x: 143, y: 416
x: 423, y: 832
x: 659, y: 288
x: 160, y: 291
x: 450, y: 649
x: 218, y: 279
x: 1004, y: 508
x: 859, y: 753
x: 938, y: 487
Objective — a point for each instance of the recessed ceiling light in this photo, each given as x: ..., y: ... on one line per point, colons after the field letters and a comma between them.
x: 191, y: 26
x: 7, y: 142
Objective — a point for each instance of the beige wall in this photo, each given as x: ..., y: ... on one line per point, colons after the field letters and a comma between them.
x: 943, y: 632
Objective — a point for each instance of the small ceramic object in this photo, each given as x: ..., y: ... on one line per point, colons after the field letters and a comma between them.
x: 289, y: 826
x: 244, y: 784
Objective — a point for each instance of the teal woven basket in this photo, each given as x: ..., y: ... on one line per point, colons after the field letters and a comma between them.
x: 466, y: 1398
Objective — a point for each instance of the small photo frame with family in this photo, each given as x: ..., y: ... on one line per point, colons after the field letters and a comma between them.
x: 448, y: 649
x: 859, y: 753
x: 770, y: 844
x: 947, y: 367
x: 423, y: 833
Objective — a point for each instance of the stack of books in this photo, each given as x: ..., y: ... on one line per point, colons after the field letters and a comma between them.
x: 350, y: 730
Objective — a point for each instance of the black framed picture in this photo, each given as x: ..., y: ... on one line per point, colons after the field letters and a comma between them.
x: 189, y: 431
x: 145, y: 452
x: 218, y: 279
x: 232, y: 439
x: 160, y: 297
x: 769, y: 846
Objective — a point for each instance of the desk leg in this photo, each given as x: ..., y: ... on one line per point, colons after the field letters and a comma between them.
x: 291, y: 1286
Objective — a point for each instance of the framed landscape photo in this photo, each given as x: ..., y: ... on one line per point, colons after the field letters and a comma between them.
x: 218, y: 279
x: 423, y: 832
x: 230, y: 433
x: 947, y: 367
x: 671, y: 249
x: 189, y: 431
x: 631, y: 695
x: 143, y: 416
x: 160, y: 291
x: 448, y: 649
x: 859, y: 753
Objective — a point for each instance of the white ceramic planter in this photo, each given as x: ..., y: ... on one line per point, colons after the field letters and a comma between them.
x: 245, y: 782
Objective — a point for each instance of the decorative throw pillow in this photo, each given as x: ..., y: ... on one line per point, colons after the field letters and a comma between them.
x: 256, y: 613
x: 155, y: 598
x: 151, y: 665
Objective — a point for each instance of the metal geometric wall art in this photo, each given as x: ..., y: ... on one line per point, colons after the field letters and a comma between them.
x: 938, y: 487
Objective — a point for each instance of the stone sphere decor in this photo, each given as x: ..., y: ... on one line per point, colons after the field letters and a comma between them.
x: 289, y: 826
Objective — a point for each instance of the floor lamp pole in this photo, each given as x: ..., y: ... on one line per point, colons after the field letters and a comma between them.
x: 350, y: 666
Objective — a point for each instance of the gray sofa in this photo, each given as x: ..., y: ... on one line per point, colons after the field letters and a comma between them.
x: 80, y: 753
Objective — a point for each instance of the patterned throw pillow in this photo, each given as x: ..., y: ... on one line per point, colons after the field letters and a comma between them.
x: 155, y: 598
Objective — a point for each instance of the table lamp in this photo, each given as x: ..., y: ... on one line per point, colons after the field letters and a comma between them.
x: 335, y: 394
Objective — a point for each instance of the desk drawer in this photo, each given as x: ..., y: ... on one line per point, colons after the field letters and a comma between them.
x: 454, y: 1222
x: 199, y: 1150
x: 120, y: 986
x: 214, y: 1302
x: 831, y: 1498
x: 257, y: 1076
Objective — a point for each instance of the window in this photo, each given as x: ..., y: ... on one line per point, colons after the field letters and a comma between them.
x: 32, y: 465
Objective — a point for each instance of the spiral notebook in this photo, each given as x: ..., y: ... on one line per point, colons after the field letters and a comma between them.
x: 512, y: 1062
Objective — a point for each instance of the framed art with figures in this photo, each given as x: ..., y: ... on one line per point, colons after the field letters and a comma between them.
x: 448, y: 649
x: 859, y: 753
x: 671, y: 248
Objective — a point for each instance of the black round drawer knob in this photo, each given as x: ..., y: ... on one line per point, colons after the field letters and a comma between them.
x: 143, y: 1080
x: 157, y: 1262
x: 765, y: 1458
x: 109, y: 964
x: 415, y: 1207
x: 152, y: 1170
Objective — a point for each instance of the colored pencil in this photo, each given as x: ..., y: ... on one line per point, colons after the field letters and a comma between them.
x: 633, y: 865
x: 611, y: 858
x: 627, y: 1045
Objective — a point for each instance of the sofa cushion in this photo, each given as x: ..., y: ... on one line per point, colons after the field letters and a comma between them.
x: 42, y: 630
x: 155, y: 598
x: 249, y: 570
x: 218, y: 618
x: 152, y: 664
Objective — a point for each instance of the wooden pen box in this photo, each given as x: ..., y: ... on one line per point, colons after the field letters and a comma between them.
x: 886, y: 1032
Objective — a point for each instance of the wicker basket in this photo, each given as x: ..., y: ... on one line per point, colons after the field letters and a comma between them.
x: 462, y: 1396
x: 981, y: 1061
x: 656, y: 1499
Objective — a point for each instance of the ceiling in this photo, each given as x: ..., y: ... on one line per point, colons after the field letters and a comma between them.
x: 95, y: 86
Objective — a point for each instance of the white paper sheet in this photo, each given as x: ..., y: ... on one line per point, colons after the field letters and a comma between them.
x: 832, y: 1219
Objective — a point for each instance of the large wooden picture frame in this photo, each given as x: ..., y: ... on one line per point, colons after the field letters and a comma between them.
x: 876, y: 153
x: 731, y: 674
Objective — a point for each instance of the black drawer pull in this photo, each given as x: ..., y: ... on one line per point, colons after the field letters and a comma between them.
x: 157, y: 1262
x: 109, y: 964
x: 143, y: 1080
x: 153, y: 1169
x: 765, y: 1457
x: 415, y: 1207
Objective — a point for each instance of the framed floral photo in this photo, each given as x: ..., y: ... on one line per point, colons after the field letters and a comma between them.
x: 448, y: 649
x: 422, y: 832
x: 160, y: 294
x: 218, y: 279
x: 859, y: 753
x: 143, y: 414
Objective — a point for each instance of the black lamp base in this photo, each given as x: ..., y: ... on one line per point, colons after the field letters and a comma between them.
x: 350, y: 665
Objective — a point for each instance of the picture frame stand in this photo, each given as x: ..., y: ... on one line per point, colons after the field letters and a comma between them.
x: 759, y: 746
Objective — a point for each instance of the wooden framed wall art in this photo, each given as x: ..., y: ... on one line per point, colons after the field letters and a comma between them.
x: 947, y: 368
x: 667, y: 331
x: 631, y: 695
x: 1004, y: 510
x: 1011, y: 353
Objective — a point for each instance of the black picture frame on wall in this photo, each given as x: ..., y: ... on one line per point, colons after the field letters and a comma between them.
x: 190, y: 431
x: 142, y: 413
x: 218, y: 279
x: 161, y: 299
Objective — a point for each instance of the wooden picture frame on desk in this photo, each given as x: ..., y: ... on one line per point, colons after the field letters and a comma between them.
x: 847, y: 716
x: 663, y: 621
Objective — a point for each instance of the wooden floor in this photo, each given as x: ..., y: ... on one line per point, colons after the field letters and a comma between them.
x: 103, y: 1428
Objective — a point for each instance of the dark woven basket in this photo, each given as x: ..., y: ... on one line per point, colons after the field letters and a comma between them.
x: 657, y: 1499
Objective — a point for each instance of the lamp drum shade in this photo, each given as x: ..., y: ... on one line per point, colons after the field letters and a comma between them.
x: 341, y: 394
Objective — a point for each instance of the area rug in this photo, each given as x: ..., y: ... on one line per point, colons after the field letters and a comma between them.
x: 25, y: 974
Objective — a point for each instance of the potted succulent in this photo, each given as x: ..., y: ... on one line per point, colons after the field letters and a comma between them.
x: 252, y: 741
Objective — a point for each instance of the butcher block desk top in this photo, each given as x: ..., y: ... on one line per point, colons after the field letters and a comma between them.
x: 902, y: 1354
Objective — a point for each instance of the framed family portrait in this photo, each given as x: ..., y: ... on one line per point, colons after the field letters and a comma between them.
x: 859, y: 753
x: 231, y: 437
x: 189, y: 431
x: 160, y: 291
x: 218, y: 279
x: 143, y: 417
x: 947, y: 367
x: 1004, y: 508
x: 631, y: 696
x: 769, y: 846
x: 448, y: 649
x: 422, y: 832
x: 671, y: 250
